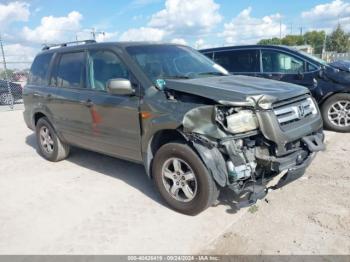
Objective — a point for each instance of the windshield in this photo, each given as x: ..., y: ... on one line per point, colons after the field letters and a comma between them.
x: 315, y: 58
x: 172, y: 62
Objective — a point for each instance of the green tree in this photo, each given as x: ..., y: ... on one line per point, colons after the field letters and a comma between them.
x: 270, y: 41
x: 292, y: 40
x: 338, y: 41
x: 316, y: 40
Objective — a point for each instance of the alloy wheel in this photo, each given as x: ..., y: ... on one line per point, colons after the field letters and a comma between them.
x: 179, y: 179
x: 339, y: 113
x: 46, y: 140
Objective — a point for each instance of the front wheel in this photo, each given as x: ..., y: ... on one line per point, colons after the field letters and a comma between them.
x: 336, y: 113
x: 182, y: 179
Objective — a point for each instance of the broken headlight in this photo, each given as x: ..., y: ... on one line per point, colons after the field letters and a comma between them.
x: 237, y: 120
x: 243, y: 121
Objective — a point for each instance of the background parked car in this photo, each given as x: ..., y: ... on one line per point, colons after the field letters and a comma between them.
x: 328, y: 83
x: 5, y: 96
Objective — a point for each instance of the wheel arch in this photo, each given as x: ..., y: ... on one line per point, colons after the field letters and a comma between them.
x: 37, y: 116
x: 160, y: 138
x: 329, y: 95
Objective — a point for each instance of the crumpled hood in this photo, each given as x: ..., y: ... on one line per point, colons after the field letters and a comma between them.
x: 343, y: 65
x: 235, y: 88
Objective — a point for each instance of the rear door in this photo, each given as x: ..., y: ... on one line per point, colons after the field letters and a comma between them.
x: 283, y: 66
x: 68, y: 77
x: 239, y: 61
x: 112, y: 121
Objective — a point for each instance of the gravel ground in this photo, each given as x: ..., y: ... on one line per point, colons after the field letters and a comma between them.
x: 94, y: 204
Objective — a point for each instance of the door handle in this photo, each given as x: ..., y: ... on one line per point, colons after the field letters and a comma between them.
x: 87, y: 103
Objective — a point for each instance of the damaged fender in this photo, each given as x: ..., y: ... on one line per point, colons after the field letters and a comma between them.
x: 199, y: 122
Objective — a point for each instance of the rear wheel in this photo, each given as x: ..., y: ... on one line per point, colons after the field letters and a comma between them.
x: 183, y: 180
x: 336, y: 113
x: 50, y: 146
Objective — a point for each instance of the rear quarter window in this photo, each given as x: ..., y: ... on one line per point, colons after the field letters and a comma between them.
x: 38, y: 72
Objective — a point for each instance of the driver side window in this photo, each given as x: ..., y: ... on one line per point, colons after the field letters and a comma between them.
x: 275, y: 62
x: 103, y: 66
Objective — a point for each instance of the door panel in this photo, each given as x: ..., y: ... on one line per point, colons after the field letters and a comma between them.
x: 112, y: 124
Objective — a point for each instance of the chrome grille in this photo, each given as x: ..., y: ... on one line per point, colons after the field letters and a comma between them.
x: 294, y: 110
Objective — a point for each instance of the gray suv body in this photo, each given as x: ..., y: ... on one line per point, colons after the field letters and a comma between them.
x: 195, y: 128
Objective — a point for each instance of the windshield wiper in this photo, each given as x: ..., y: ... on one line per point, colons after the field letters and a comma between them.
x: 176, y: 77
x: 212, y: 73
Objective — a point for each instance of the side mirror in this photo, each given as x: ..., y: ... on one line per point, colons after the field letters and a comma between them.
x: 120, y: 86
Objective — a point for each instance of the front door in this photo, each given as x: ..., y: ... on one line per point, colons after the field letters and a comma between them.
x: 285, y: 67
x: 111, y: 120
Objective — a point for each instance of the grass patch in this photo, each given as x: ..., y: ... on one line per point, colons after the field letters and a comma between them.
x: 253, y: 209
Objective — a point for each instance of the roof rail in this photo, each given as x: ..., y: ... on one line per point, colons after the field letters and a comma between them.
x: 84, y: 42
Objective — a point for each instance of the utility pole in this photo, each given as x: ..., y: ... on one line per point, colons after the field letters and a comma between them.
x: 5, y: 68
x: 301, y: 31
x: 280, y: 31
x: 324, y: 46
x: 291, y: 28
x: 94, y: 33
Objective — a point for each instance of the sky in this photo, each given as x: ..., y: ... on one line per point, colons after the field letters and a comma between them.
x: 26, y: 25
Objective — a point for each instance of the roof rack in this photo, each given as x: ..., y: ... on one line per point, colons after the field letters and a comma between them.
x: 84, y: 42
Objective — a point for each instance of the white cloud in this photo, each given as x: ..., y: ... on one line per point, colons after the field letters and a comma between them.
x: 13, y: 11
x: 179, y: 41
x: 19, y: 56
x: 54, y: 29
x: 327, y: 16
x: 245, y: 29
x: 178, y: 19
x: 183, y: 16
x: 143, y: 34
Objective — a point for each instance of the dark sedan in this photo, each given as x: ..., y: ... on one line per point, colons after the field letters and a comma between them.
x: 328, y: 83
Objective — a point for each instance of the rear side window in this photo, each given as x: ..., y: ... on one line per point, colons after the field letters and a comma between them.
x: 39, y: 69
x: 70, y: 71
x: 239, y: 61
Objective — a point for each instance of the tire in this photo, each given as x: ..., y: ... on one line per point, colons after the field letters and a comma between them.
x: 201, y: 183
x: 55, y: 150
x: 331, y: 108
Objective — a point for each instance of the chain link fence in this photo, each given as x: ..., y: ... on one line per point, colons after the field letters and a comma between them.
x: 14, y: 72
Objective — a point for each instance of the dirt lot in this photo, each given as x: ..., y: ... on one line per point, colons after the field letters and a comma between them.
x: 93, y: 204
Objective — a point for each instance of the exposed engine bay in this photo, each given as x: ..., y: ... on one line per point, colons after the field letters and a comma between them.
x: 232, y: 144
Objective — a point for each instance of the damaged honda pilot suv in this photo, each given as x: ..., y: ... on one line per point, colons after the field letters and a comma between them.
x: 194, y: 127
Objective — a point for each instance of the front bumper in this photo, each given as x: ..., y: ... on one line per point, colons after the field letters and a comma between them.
x: 298, y: 158
x: 292, y: 167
